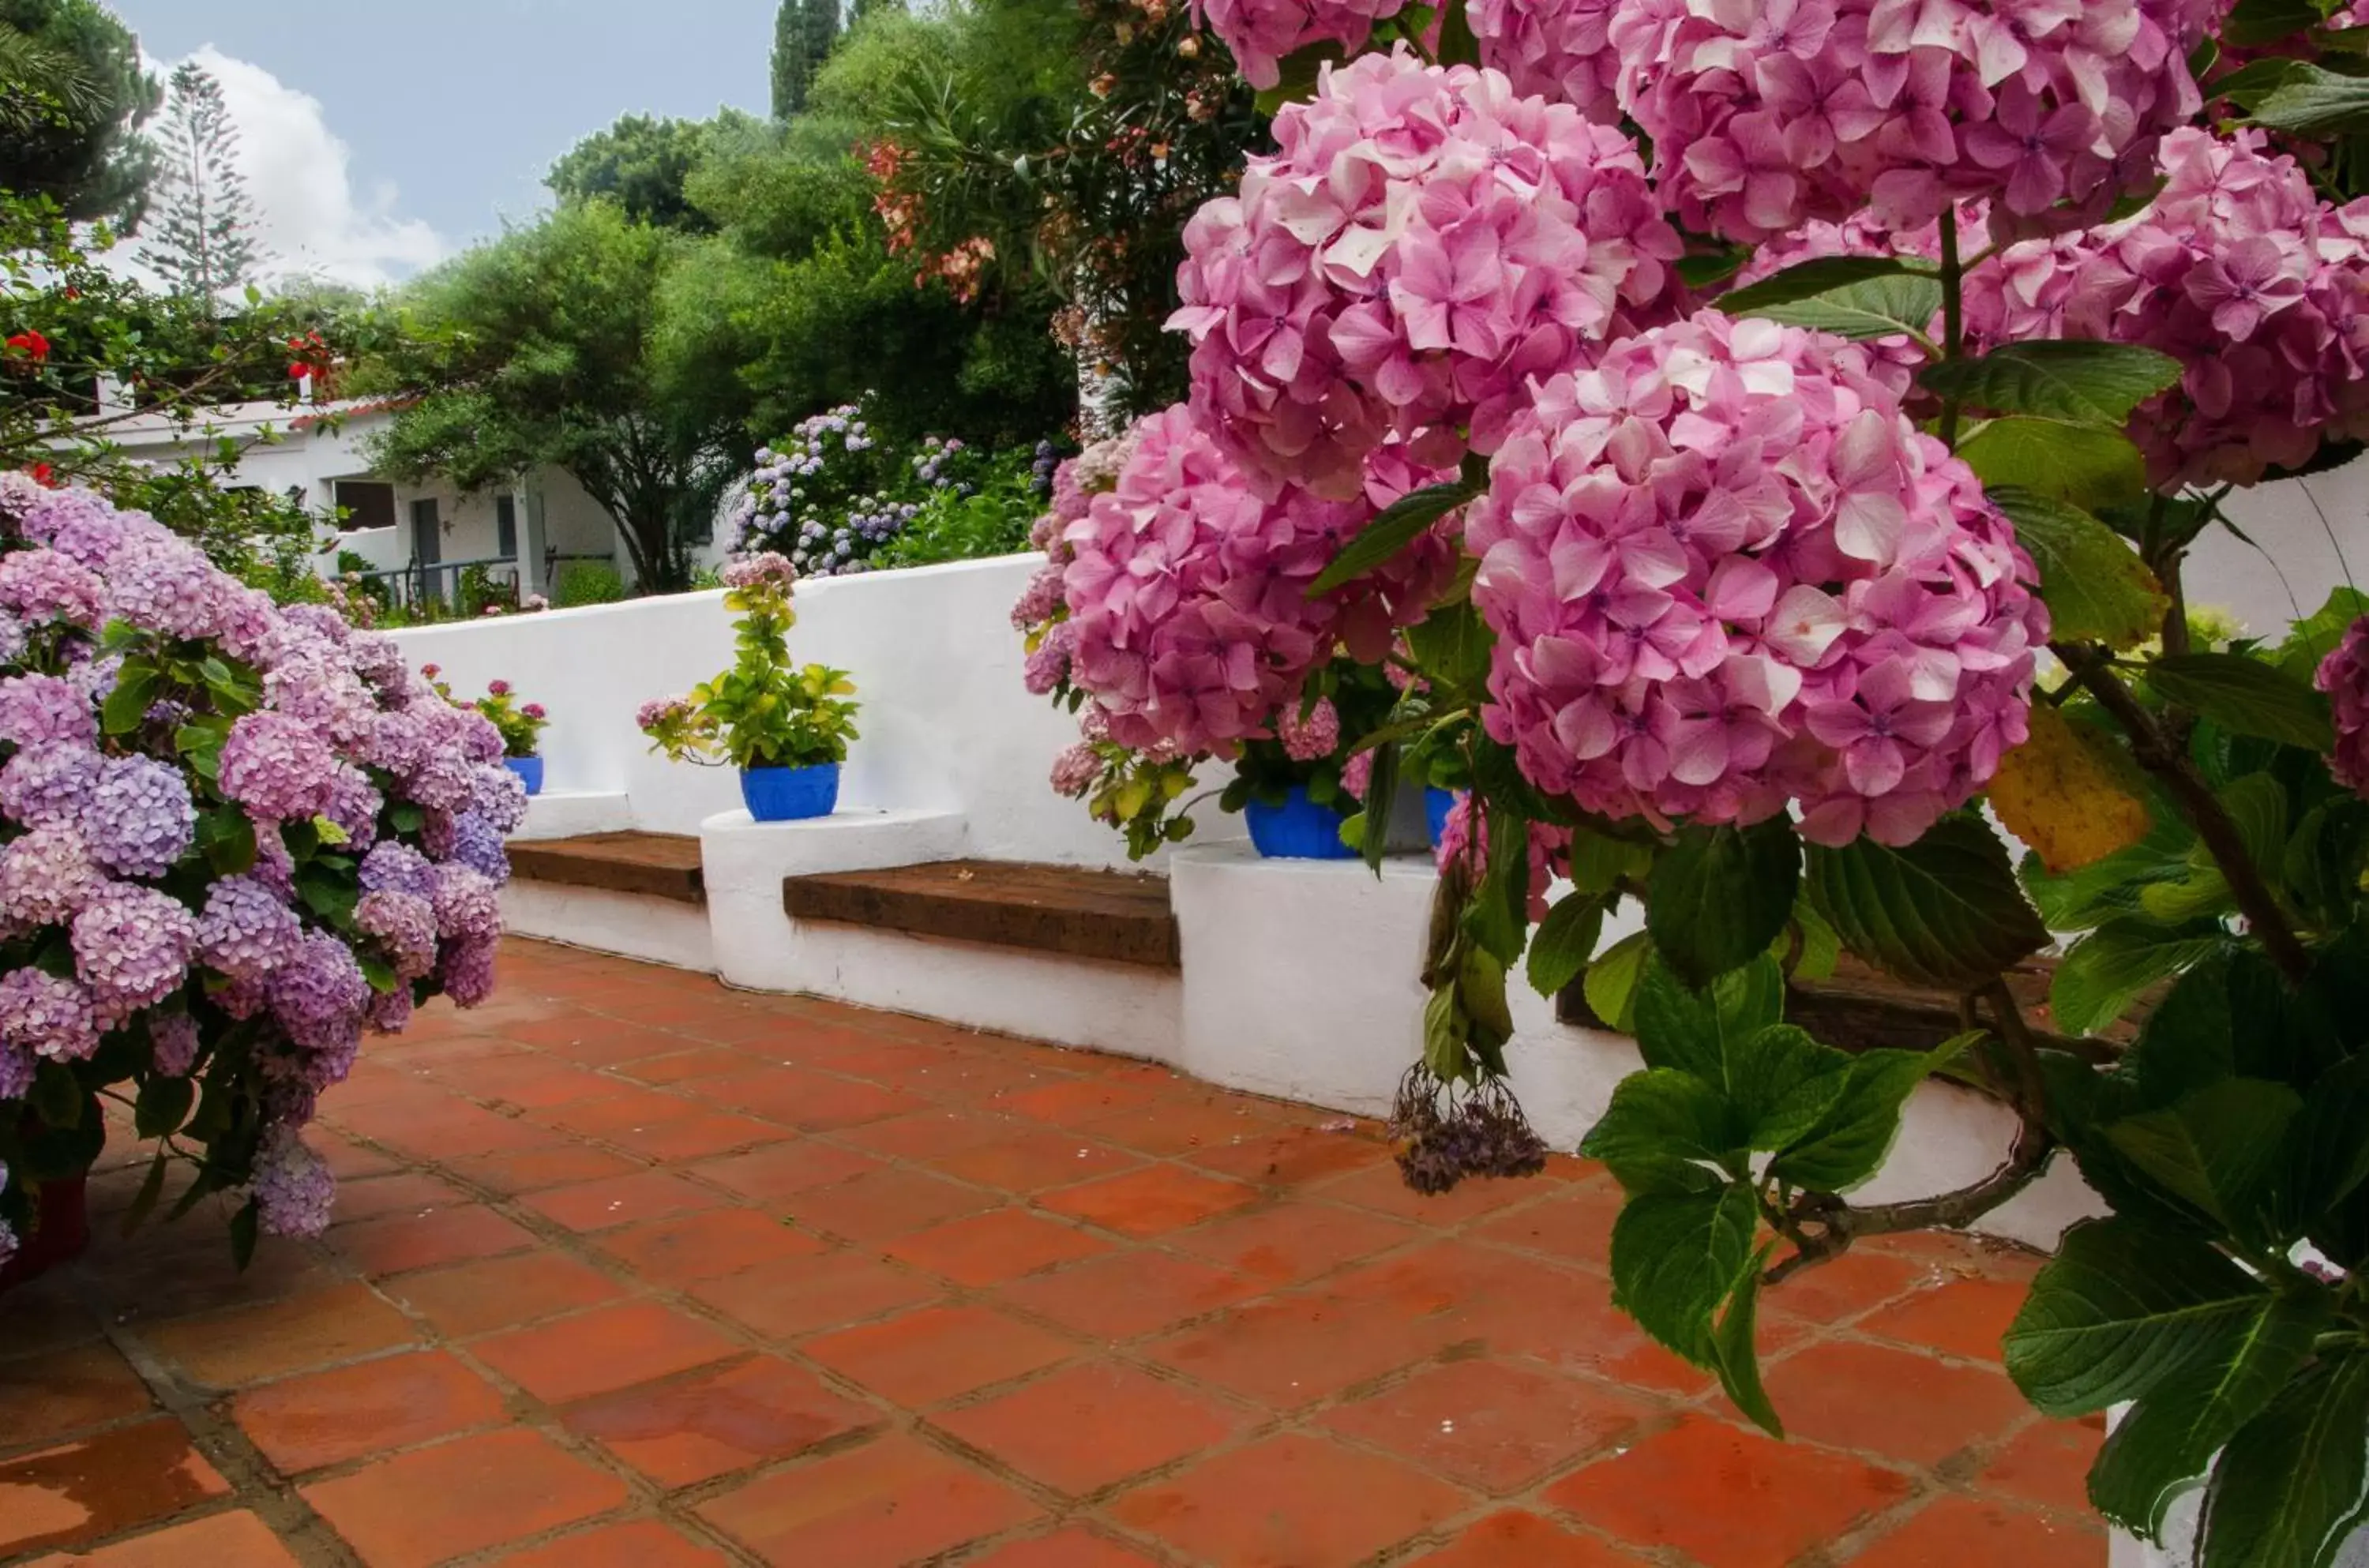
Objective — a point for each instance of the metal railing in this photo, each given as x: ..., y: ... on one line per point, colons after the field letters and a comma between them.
x: 437, y: 583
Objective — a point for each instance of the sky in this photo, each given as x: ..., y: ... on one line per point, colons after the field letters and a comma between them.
x: 378, y: 139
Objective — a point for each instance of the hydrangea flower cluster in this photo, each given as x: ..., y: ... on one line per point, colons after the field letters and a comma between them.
x: 2344, y: 676
x: 1261, y: 33
x: 1423, y: 243
x: 1766, y: 115
x: 827, y: 496
x: 2238, y: 270
x: 1188, y: 618
x: 1725, y: 572
x: 131, y: 901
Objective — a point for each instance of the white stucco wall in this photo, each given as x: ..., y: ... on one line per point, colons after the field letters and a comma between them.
x: 2313, y: 535
x: 946, y: 723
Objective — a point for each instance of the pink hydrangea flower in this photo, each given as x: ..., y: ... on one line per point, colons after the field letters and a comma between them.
x: 131, y: 947
x: 42, y: 585
x: 47, y: 1016
x: 1189, y: 620
x: 1306, y: 739
x: 2238, y: 270
x: 1423, y: 243
x: 1727, y: 573
x: 1764, y: 114
x: 1549, y: 848
x: 2344, y: 676
x: 1260, y: 33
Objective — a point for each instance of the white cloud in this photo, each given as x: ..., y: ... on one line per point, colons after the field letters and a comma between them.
x: 312, y: 219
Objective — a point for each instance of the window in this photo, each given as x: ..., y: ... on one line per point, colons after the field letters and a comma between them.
x: 366, y: 503
x: 506, y: 526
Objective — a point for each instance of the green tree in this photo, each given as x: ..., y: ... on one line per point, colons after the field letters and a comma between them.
x: 75, y: 138
x: 546, y: 346
x: 643, y: 164
x: 203, y: 239
x: 804, y: 34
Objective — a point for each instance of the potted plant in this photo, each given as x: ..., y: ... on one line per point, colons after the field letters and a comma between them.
x: 785, y: 727
x: 233, y: 836
x: 520, y: 725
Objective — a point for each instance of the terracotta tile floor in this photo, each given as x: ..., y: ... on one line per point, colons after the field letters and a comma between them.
x: 634, y: 1271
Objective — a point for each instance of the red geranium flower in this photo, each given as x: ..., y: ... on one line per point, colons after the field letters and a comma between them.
x: 44, y: 475
x: 32, y: 345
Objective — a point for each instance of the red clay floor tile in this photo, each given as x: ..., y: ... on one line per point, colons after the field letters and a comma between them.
x: 705, y: 1245
x: 102, y: 1486
x: 2049, y: 1463
x: 499, y: 1293
x: 803, y: 1296
x: 1960, y: 1532
x: 1150, y: 1201
x: 1963, y: 1317
x: 1491, y: 1427
x: 1516, y: 1540
x: 238, y: 1539
x: 467, y: 1495
x: 396, y: 1244
x: 607, y: 1348
x: 782, y: 1170
x: 1727, y: 1497
x: 987, y: 1249
x: 622, y: 1200
x: 313, y: 1328
x: 641, y: 1543
x: 326, y: 1418
x: 683, y: 1432
x: 1087, y: 1428
x: 892, y: 1502
x: 1073, y: 1548
x: 1288, y: 1502
x: 1893, y: 1403
x: 1129, y: 1294
x: 889, y: 1202
x: 63, y: 1390
x: 937, y: 1353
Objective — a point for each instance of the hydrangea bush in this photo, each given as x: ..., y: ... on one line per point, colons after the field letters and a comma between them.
x: 1757, y: 446
x: 233, y: 838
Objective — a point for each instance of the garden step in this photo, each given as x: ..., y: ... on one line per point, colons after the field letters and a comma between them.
x: 654, y: 866
x: 1051, y: 909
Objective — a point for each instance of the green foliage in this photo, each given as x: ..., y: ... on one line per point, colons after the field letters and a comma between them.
x: 1721, y: 896
x: 1943, y: 911
x: 579, y: 583
x: 803, y: 32
x: 764, y: 712
x: 77, y: 141
x: 202, y: 235
x: 2096, y: 587
x: 644, y: 166
x: 991, y: 517
x: 546, y: 346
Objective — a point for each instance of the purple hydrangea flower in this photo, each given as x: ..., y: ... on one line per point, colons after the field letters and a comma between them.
x: 378, y: 659
x: 133, y: 947
x: 174, y: 1036
x: 293, y: 1189
x: 277, y: 767
x: 94, y: 676
x: 318, y: 995
x: 16, y: 1067
x: 141, y: 819
x: 403, y: 925
x: 394, y: 867
x: 500, y: 799
x: 34, y: 708
x: 46, y: 876
x: 354, y: 807
x: 390, y: 1012
x: 443, y: 780
x: 7, y: 1244
x: 478, y: 845
x: 320, y: 619
x: 469, y: 970
x: 51, y: 782
x: 14, y: 638
x: 400, y: 742
x: 42, y: 585
x: 274, y: 866
x: 317, y: 687
x: 247, y: 932
x: 47, y: 1016
x: 166, y: 587
x: 467, y: 908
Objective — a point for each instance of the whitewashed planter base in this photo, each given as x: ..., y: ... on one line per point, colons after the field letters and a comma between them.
x: 659, y: 931
x: 571, y: 813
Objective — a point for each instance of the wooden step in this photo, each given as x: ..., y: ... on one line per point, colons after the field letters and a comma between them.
x: 1045, y: 908
x: 652, y: 865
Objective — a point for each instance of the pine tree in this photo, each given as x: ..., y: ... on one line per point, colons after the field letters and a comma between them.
x: 203, y: 226
x: 803, y: 32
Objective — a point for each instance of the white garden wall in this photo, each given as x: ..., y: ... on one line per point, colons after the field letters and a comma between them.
x: 946, y: 723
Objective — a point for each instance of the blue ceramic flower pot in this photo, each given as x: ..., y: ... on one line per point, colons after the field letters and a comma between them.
x: 529, y: 770
x: 790, y: 794
x: 1436, y: 804
x: 1297, y: 830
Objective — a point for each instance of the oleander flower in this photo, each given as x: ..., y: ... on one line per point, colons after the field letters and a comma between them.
x: 1767, y: 115
x: 1727, y: 573
x: 1422, y: 245
x: 141, y: 817
x: 2344, y: 676
x: 277, y: 767
x: 48, y: 783
x: 132, y: 947
x: 2238, y: 270
x: 47, y: 1016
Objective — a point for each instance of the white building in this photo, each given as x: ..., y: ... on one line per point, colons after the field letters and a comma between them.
x: 422, y: 537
